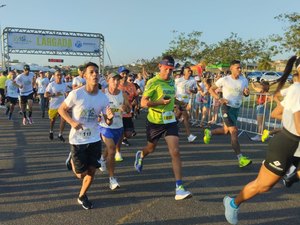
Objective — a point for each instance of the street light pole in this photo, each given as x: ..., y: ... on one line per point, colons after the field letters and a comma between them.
x: 1, y: 41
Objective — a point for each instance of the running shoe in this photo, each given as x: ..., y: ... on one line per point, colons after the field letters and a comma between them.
x: 138, y: 164
x: 288, y: 180
x: 125, y: 142
x: 231, y: 214
x: 102, y: 163
x: 118, y: 157
x: 207, y: 136
x: 191, y: 138
x: 51, y: 135
x: 85, y: 202
x: 244, y: 161
x: 181, y: 193
x: 68, y: 162
x: 133, y: 134
x: 265, y: 135
x: 113, y: 183
x: 256, y: 138
x: 61, y: 138
x: 24, y: 121
x: 30, y: 121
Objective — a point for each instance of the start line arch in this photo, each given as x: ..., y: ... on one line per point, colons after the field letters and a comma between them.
x: 51, y: 42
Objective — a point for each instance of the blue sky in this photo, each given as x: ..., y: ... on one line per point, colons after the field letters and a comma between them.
x: 135, y: 29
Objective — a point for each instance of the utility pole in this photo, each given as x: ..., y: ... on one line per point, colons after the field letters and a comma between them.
x: 1, y: 41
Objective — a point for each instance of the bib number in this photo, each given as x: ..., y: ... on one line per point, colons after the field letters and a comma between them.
x: 168, y: 117
x: 85, y: 134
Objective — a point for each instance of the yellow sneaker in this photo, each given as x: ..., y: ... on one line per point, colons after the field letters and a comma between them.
x: 244, y: 161
x: 118, y: 157
x: 265, y: 135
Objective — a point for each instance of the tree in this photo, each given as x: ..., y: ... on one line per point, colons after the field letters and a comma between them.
x: 290, y: 41
x: 186, y: 47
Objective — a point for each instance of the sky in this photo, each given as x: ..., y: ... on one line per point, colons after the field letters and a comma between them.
x: 142, y: 29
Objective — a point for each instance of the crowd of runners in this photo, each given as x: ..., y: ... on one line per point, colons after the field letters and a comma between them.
x: 102, y: 109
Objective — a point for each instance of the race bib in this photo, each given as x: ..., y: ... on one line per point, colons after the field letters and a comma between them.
x: 85, y: 133
x: 168, y: 117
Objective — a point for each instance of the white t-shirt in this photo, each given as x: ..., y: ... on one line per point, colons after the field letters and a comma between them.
x: 12, y: 90
x: 78, y: 81
x: 141, y: 84
x: 183, y: 87
x: 42, y: 83
x: 233, y: 89
x: 26, y: 82
x: 86, y: 108
x: 291, y: 104
x: 115, y: 103
x: 54, y: 88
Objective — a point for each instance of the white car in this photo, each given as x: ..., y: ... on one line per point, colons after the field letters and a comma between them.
x: 270, y: 76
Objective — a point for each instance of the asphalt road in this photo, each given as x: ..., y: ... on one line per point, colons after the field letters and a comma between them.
x: 37, y: 189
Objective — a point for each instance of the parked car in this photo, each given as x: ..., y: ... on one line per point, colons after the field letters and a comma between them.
x: 270, y: 76
x: 254, y: 76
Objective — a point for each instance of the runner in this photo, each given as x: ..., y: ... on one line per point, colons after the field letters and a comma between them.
x: 159, y: 97
x: 280, y: 150
x: 56, y: 91
x: 42, y: 83
x: 113, y: 134
x: 233, y: 86
x: 3, y: 79
x: 130, y: 90
x: 11, y: 93
x: 79, y: 81
x: 185, y: 86
x: 87, y: 103
x: 25, y: 82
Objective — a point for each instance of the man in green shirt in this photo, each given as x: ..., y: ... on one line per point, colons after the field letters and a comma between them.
x: 3, y: 79
x: 159, y: 97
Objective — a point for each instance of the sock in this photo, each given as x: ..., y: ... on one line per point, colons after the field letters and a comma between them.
x: 51, y: 131
x: 102, y: 158
x: 239, y: 156
x: 178, y: 183
x: 233, y: 205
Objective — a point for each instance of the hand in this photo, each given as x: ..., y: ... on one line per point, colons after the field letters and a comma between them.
x: 246, y: 91
x: 109, y: 113
x: 77, y: 125
x: 164, y: 101
x: 223, y: 101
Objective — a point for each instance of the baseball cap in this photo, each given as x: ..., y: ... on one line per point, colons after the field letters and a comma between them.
x: 113, y: 75
x: 168, y: 63
x: 123, y: 69
x: 41, y: 71
x: 26, y: 67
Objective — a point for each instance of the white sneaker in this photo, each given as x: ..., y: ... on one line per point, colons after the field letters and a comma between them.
x: 191, y: 138
x: 113, y: 183
x: 256, y: 138
x: 102, y: 162
x: 118, y: 157
x: 181, y: 193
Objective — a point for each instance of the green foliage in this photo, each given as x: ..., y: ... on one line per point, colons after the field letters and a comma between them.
x: 290, y: 41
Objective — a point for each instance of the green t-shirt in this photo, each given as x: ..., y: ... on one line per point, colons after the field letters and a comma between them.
x: 2, y: 81
x: 155, y: 89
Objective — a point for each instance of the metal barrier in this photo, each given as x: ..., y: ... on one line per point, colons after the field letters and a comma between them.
x: 248, y: 119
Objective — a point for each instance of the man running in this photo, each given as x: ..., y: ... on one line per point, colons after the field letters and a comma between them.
x: 87, y: 104
x: 159, y: 97
x: 234, y: 86
x: 12, y: 94
x: 25, y: 82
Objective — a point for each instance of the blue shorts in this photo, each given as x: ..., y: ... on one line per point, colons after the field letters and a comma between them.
x: 114, y: 134
x: 260, y: 110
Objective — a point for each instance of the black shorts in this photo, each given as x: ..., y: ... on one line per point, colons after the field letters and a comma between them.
x: 128, y: 124
x: 155, y: 131
x: 12, y: 100
x: 181, y: 105
x: 281, y: 150
x: 25, y: 98
x: 86, y: 155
